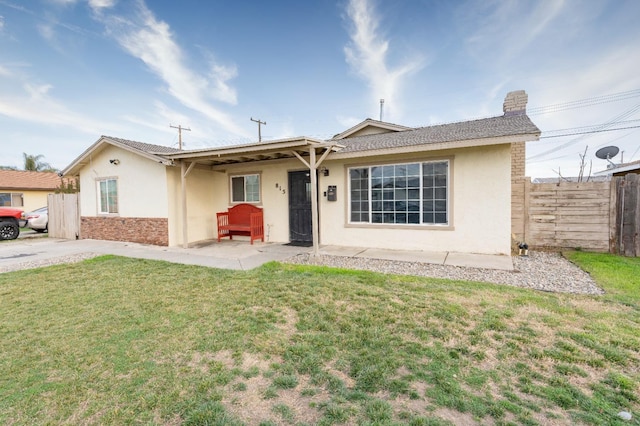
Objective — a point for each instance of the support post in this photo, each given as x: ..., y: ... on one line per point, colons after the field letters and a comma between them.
x: 313, y: 167
x: 314, y: 200
x: 184, y: 171
x: 183, y: 181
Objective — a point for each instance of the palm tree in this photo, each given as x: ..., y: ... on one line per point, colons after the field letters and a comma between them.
x: 34, y: 163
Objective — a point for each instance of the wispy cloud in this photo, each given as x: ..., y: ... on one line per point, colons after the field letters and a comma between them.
x: 47, y: 32
x: 98, y: 5
x: 502, y: 30
x: 151, y: 40
x: 35, y: 104
x: 367, y: 55
x: 15, y: 6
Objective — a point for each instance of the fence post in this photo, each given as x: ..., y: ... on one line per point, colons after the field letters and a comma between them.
x: 637, y: 215
x: 632, y: 214
x: 614, y: 246
x: 629, y: 215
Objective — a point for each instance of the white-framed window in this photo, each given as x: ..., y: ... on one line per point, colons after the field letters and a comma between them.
x: 245, y: 188
x: 108, y: 196
x: 11, y: 199
x: 409, y: 193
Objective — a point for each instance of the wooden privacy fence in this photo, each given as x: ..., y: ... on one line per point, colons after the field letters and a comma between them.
x: 64, y: 216
x: 595, y: 216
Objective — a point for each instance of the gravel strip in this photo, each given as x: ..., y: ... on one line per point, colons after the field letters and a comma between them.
x: 48, y: 262
x: 545, y: 271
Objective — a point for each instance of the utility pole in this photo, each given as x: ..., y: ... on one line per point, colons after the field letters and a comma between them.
x: 259, y: 124
x: 180, y: 129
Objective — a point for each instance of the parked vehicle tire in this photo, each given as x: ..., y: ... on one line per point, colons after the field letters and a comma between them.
x: 9, y: 230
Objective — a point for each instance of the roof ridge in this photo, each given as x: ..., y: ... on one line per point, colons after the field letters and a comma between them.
x: 143, y: 146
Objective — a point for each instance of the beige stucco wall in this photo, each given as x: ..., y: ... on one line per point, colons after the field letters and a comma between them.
x: 142, y: 190
x: 208, y: 193
x: 481, y: 207
x: 203, y: 200
x: 274, y: 200
x: 34, y: 200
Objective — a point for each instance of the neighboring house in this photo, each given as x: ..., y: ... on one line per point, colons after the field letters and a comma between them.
x: 572, y: 179
x: 622, y: 169
x: 27, y: 190
x: 436, y: 188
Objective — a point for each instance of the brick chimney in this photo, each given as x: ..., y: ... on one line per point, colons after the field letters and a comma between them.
x: 515, y: 103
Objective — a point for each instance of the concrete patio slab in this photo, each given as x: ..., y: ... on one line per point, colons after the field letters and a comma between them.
x: 405, y: 255
x: 487, y: 261
x: 341, y: 251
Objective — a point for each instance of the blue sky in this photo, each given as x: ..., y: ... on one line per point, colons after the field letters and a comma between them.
x: 72, y: 70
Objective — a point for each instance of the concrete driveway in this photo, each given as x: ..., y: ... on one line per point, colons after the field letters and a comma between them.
x: 226, y: 255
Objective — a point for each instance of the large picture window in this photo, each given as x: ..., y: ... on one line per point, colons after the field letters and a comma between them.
x: 108, y: 196
x: 412, y: 193
x: 245, y: 189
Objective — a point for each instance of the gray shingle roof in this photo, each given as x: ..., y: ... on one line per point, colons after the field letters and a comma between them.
x: 146, y: 147
x: 466, y: 130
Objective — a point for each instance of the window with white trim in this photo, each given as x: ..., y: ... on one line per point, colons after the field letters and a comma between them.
x: 411, y: 193
x: 108, y: 196
x: 11, y: 199
x: 245, y: 189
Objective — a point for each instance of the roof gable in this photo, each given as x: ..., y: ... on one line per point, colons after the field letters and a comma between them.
x: 370, y: 127
x: 147, y: 150
x: 29, y: 180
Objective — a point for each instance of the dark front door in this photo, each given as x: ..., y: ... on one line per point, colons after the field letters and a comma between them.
x: 300, y: 207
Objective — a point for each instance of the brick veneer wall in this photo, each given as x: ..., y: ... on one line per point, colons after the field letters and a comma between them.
x: 518, y: 152
x: 518, y: 225
x: 133, y: 229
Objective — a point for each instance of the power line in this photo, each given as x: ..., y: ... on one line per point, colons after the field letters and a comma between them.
x: 598, y: 129
x: 581, y: 103
x: 588, y: 133
x: 581, y: 128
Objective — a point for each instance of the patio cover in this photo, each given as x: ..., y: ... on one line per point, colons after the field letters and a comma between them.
x: 311, y: 152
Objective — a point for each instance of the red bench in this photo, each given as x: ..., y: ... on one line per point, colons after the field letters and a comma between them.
x: 241, y: 219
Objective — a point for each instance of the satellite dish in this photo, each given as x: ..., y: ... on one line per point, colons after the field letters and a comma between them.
x: 607, y: 152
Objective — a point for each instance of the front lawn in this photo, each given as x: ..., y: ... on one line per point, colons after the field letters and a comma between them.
x: 120, y: 341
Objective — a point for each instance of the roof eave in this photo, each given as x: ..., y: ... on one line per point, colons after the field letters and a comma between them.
x: 73, y: 168
x: 618, y: 169
x: 253, y: 148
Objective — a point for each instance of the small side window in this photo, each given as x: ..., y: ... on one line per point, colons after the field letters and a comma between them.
x: 108, y: 196
x: 245, y: 189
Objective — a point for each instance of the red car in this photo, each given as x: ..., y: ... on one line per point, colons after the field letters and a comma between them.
x: 9, y: 223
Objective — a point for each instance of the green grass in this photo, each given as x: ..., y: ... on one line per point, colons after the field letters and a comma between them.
x: 617, y: 274
x: 119, y: 341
